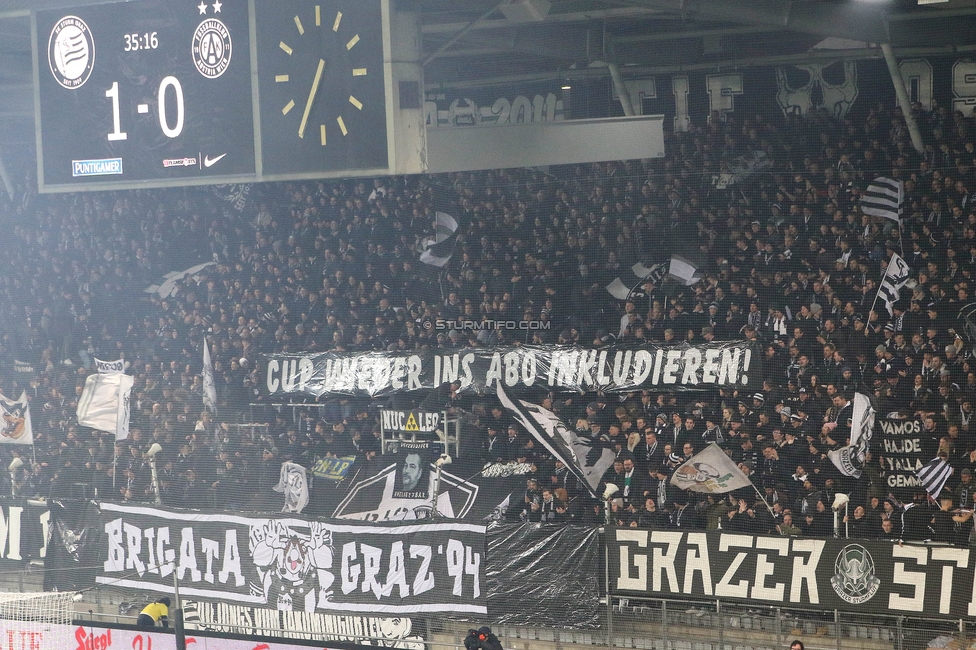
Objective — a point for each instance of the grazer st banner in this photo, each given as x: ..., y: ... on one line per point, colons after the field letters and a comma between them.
x: 827, y: 574
x: 611, y: 369
x: 291, y: 563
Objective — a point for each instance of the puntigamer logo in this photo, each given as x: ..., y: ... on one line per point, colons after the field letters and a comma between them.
x: 101, y: 167
x: 71, y: 52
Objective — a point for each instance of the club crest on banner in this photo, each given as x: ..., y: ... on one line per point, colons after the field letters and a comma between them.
x: 854, y: 578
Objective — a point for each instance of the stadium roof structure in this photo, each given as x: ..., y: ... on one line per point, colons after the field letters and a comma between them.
x: 482, y: 43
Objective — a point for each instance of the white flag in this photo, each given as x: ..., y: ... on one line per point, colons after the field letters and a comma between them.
x: 294, y: 485
x: 710, y: 471
x: 850, y: 459
x: 16, y: 421
x: 896, y: 275
x: 209, y: 388
x: 684, y: 271
x: 109, y: 367
x: 104, y: 403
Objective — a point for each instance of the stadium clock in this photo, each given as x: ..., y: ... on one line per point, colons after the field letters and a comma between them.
x: 144, y: 92
x: 322, y: 86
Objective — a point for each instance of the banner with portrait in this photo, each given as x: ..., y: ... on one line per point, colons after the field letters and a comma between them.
x: 413, y: 470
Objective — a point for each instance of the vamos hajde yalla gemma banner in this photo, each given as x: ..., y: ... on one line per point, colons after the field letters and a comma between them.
x: 843, y: 574
x: 553, y: 367
x: 295, y: 564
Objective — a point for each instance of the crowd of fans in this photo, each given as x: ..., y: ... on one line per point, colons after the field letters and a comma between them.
x: 787, y: 257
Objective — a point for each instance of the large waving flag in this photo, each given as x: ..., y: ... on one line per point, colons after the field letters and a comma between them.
x: 624, y: 286
x: 104, y: 403
x: 850, y: 459
x: 586, y: 458
x: 437, y: 250
x: 710, y: 471
x: 896, y: 275
x: 884, y: 197
x: 684, y: 270
x: 15, y: 420
x: 933, y: 476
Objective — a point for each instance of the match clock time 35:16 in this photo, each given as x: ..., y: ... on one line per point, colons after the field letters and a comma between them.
x: 143, y: 92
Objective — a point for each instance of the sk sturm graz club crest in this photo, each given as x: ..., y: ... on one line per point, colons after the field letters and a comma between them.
x: 854, y: 575
x: 71, y: 52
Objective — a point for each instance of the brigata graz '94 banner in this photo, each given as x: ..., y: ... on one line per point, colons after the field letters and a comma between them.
x: 553, y: 367
x: 294, y: 564
x: 843, y: 574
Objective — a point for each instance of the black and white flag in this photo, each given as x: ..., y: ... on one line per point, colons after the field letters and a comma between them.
x: 896, y: 275
x: 884, y: 197
x: 623, y: 287
x: 438, y: 249
x: 849, y: 460
x: 586, y: 458
x: 209, y: 387
x: 684, y: 270
x: 933, y: 476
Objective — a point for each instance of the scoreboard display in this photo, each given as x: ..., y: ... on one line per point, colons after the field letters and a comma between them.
x: 155, y: 93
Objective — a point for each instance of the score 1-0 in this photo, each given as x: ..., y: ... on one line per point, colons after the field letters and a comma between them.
x: 169, y: 131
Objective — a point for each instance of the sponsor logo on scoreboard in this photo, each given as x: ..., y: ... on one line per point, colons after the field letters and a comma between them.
x: 71, y: 52
x: 180, y: 162
x: 99, y: 167
x: 211, y: 48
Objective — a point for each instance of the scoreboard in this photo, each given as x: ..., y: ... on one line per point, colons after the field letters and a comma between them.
x: 156, y: 93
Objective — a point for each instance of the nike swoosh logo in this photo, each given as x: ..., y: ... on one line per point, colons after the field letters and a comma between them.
x: 210, y: 162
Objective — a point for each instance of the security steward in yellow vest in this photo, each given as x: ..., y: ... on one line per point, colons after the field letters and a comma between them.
x: 154, y: 613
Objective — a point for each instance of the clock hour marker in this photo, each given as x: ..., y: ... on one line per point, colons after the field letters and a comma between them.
x: 142, y: 109
x: 290, y: 105
x: 355, y: 102
x: 335, y: 25
x: 359, y: 72
x: 322, y: 133
x: 342, y: 125
x: 281, y: 78
x: 352, y: 42
x: 318, y: 15
x: 284, y: 46
x: 300, y: 26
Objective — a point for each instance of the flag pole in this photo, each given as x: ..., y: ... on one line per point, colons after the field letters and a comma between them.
x: 763, y: 499
x: 874, y: 304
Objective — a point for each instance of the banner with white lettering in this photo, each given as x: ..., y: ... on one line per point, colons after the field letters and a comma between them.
x: 24, y: 531
x: 617, y: 368
x: 295, y: 564
x: 410, y: 423
x: 843, y: 574
x: 905, y: 448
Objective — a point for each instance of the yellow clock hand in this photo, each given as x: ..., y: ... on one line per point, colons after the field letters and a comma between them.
x: 311, y: 98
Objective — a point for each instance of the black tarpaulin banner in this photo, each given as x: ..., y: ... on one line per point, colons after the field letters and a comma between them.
x: 544, y: 575
x: 294, y: 564
x: 553, y: 367
x: 72, y: 549
x: 824, y: 574
x: 905, y: 448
